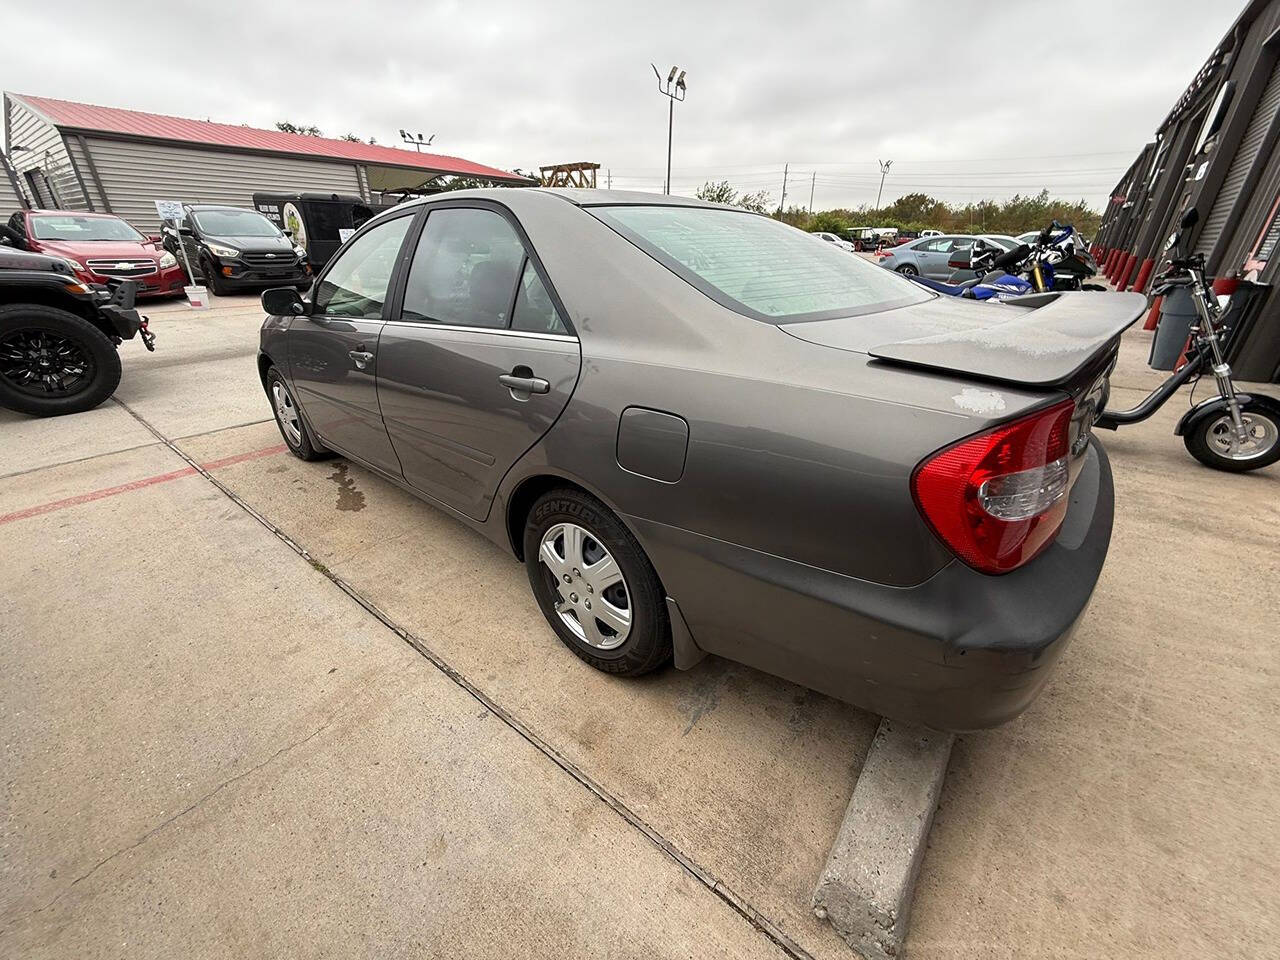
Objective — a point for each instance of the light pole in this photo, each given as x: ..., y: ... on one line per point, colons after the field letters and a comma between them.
x: 884, y: 169
x: 418, y: 143
x: 673, y: 90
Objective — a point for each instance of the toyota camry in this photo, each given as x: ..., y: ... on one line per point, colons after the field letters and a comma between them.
x: 702, y: 432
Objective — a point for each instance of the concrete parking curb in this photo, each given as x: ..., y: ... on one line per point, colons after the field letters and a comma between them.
x: 866, y: 888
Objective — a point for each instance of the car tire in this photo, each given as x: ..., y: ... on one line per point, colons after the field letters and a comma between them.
x: 293, y: 427
x: 571, y: 534
x: 212, y: 279
x: 908, y: 270
x: 1210, y: 438
x: 61, y: 337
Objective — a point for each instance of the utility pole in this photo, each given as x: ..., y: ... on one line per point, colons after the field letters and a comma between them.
x: 782, y: 204
x: 608, y: 178
x: 884, y: 169
x: 812, y: 184
x: 674, y: 89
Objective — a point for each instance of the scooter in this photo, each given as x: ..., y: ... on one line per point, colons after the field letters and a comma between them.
x: 1232, y: 431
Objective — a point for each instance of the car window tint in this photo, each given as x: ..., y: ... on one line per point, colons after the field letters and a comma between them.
x: 356, y: 284
x: 465, y: 269
x: 745, y: 260
x: 534, y: 310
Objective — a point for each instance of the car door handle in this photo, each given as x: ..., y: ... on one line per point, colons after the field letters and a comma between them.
x: 524, y: 384
x: 361, y: 357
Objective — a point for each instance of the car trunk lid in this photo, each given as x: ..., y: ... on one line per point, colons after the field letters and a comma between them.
x: 1042, y: 340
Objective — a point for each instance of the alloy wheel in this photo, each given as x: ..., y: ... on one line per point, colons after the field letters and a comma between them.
x: 45, y: 364
x: 1261, y: 435
x: 286, y: 412
x: 594, y: 602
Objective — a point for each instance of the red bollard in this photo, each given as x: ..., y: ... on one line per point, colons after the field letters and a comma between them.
x: 1153, y: 315
x: 1126, y: 272
x: 1106, y: 264
x: 1140, y: 285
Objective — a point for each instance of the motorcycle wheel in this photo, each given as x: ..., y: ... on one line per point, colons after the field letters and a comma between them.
x: 53, y: 362
x: 1213, y: 441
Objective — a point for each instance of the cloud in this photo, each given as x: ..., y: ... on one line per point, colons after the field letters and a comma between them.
x: 1064, y: 97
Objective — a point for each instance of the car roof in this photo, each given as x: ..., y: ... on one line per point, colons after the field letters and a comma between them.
x: 75, y: 213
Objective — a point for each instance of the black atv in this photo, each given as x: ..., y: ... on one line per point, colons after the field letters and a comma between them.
x: 58, y: 336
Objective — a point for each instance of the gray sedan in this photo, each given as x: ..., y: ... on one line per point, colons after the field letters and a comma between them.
x: 704, y: 433
x: 931, y: 256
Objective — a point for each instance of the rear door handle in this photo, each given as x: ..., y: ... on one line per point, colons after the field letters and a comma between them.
x: 524, y: 384
x: 361, y: 357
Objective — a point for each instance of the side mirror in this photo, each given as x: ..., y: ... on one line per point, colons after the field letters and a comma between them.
x: 1189, y: 219
x: 156, y: 238
x: 283, y: 302
x: 288, y: 233
x: 186, y: 232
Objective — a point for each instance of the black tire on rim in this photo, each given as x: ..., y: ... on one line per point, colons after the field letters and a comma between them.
x: 213, y: 280
x: 53, y: 362
x: 1212, y: 439
x: 908, y: 270
x: 293, y: 427
x: 595, y: 585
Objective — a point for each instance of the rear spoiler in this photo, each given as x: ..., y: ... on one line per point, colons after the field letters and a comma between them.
x: 1044, y: 341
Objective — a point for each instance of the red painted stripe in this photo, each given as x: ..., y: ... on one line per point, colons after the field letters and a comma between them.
x: 135, y: 485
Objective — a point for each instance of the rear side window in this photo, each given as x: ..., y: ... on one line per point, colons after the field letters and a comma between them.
x: 534, y: 311
x: 465, y: 269
x: 758, y: 266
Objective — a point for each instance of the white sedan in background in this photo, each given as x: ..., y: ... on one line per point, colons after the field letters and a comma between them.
x: 832, y: 238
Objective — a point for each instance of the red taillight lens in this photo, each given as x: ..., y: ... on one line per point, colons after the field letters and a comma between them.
x: 998, y: 498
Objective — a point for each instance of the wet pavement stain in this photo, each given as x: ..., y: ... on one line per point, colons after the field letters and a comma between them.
x: 349, y: 498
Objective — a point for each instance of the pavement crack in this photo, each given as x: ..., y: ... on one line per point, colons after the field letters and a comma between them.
x: 195, y: 805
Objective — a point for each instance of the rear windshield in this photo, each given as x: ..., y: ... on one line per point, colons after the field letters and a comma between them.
x: 70, y: 227
x: 758, y: 266
x: 234, y: 223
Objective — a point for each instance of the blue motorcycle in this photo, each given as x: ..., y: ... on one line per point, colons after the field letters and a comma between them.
x: 993, y: 282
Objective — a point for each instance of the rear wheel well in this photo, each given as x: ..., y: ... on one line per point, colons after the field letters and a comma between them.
x: 522, y: 501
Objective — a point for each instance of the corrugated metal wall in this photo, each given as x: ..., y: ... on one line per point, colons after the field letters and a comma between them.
x: 9, y: 200
x: 46, y: 151
x: 1241, y: 164
x: 135, y: 174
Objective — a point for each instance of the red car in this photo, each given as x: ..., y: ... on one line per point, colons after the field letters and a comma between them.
x: 99, y: 247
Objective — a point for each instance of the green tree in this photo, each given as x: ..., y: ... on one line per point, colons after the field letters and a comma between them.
x: 306, y: 130
x: 724, y: 192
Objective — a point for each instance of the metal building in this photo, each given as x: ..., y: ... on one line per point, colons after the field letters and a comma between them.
x: 1216, y: 151
x: 74, y: 156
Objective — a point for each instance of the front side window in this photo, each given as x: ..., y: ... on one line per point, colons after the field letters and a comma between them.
x: 73, y: 228
x: 465, y: 269
x: 758, y: 266
x: 356, y: 285
x: 234, y: 223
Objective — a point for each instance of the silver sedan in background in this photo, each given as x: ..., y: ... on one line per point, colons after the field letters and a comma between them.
x: 930, y: 256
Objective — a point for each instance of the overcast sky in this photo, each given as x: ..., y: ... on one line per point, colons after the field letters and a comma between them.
x: 968, y: 99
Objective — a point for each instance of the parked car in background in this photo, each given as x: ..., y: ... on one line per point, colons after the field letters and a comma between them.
x: 58, y: 334
x: 628, y: 390
x: 930, y: 256
x: 236, y: 248
x: 930, y: 233
x: 99, y: 247
x: 832, y: 238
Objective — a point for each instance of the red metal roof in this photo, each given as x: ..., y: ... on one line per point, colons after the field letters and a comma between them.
x: 84, y: 116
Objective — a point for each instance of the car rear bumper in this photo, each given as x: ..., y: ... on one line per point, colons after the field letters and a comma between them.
x: 960, y: 651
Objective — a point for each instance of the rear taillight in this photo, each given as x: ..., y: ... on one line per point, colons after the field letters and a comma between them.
x: 997, y: 499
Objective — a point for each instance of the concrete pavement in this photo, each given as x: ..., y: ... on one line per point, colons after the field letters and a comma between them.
x: 184, y: 774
